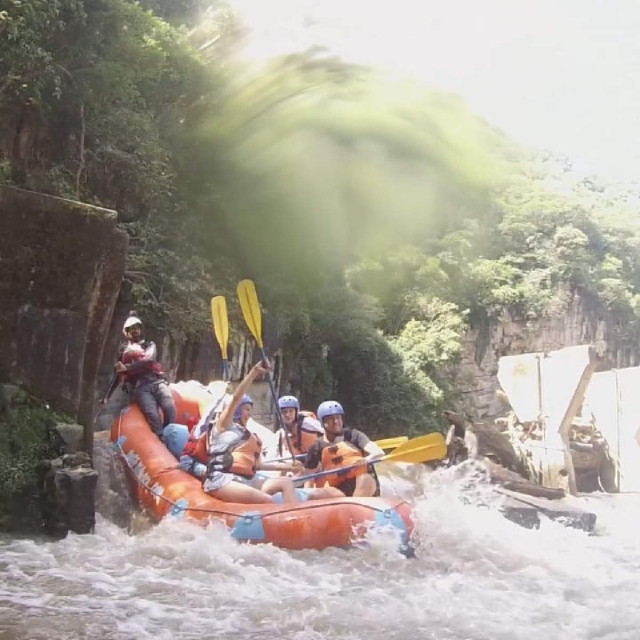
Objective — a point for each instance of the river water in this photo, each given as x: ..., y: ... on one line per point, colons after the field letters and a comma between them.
x: 476, y: 576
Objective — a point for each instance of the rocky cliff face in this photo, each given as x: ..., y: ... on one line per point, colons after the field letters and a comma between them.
x: 584, y: 322
x: 61, y: 266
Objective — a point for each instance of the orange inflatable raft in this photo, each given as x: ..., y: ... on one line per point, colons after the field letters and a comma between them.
x: 167, y: 491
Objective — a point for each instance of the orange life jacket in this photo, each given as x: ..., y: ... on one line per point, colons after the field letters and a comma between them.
x: 304, y: 437
x: 340, y: 455
x: 240, y: 459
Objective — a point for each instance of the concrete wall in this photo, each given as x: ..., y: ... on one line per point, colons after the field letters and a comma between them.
x: 61, y: 266
x: 263, y: 408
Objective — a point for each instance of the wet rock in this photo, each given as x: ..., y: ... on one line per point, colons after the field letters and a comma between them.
x: 68, y: 489
x: 114, y: 498
x: 70, y: 436
x: 118, y: 401
x: 527, y: 510
x: 76, y: 460
x: 52, y: 464
x: 59, y: 293
x: 7, y: 393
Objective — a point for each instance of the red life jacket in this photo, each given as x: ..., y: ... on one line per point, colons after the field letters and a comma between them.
x: 197, y: 448
x: 132, y: 353
x: 135, y: 352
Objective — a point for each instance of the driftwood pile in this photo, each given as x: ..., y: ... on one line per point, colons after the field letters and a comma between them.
x: 489, y: 443
x: 506, y: 444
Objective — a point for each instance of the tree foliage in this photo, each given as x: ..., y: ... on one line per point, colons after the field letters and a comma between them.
x: 26, y: 438
x: 379, y: 219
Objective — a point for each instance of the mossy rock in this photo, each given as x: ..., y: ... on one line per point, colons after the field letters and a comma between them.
x: 27, y: 436
x: 7, y: 393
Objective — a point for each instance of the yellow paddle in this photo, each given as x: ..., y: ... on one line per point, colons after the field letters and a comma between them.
x: 391, y: 443
x: 221, y: 330
x: 253, y: 317
x: 422, y: 449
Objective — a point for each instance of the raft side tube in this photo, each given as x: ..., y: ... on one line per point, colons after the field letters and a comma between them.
x: 168, y: 491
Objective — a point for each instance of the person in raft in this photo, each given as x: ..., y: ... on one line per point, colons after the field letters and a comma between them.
x: 194, y: 457
x: 303, y: 428
x: 143, y: 372
x: 228, y: 460
x: 234, y: 455
x: 343, y: 447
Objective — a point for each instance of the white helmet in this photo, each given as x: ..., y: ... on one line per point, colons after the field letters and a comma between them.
x: 130, y: 322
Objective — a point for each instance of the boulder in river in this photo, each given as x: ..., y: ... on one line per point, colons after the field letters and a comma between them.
x: 67, y: 488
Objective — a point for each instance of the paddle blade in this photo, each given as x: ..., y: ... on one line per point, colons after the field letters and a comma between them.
x: 422, y: 449
x: 391, y: 443
x: 220, y: 323
x: 251, y: 309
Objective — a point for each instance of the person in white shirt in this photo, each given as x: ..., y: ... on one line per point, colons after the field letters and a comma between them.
x: 302, y: 427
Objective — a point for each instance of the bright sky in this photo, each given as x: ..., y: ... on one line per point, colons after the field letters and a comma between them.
x: 562, y: 75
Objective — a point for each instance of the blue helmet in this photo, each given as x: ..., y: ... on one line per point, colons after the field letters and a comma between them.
x: 289, y: 402
x: 245, y: 400
x: 329, y: 408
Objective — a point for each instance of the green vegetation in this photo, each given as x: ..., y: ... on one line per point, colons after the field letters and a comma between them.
x: 26, y: 438
x: 378, y: 219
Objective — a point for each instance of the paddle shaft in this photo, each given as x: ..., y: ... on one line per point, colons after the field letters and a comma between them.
x: 397, y: 455
x: 380, y: 443
x: 275, y: 400
x: 250, y: 307
x: 112, y: 387
x: 331, y: 472
x: 210, y: 416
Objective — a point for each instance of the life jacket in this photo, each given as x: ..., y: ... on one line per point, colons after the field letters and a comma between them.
x: 240, y: 459
x: 197, y: 448
x: 134, y: 352
x: 304, y: 437
x: 339, y: 455
x: 192, y: 421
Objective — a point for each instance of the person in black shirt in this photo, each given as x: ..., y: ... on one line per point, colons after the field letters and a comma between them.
x: 348, y: 451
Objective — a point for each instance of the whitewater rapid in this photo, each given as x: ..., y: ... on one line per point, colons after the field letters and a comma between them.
x: 476, y: 575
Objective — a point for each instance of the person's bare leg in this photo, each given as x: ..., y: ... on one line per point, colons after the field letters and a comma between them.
x: 365, y: 486
x: 275, y: 485
x: 325, y: 493
x: 241, y: 493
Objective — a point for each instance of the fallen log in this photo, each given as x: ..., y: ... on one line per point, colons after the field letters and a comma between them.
x: 486, y: 443
x: 514, y: 482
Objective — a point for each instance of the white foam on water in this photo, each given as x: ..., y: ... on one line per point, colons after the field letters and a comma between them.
x: 476, y: 576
